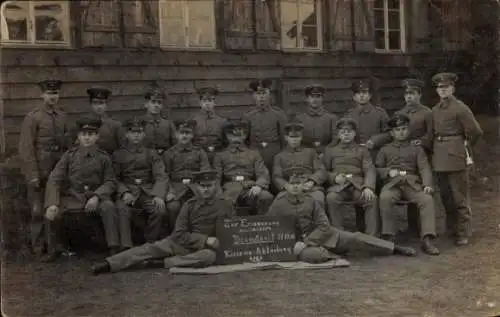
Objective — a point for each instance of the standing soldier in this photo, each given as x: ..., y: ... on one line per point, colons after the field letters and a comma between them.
x: 44, y: 137
x: 181, y: 162
x: 243, y: 174
x: 111, y: 133
x: 267, y: 123
x: 159, y: 131
x: 455, y: 128
x: 319, y: 124
x: 141, y: 185
x: 208, y: 132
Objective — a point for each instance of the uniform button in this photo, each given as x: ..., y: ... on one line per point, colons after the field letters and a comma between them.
x: 85, y: 187
x: 317, y: 143
x: 138, y: 181
x: 159, y: 151
x: 264, y: 144
x: 211, y: 148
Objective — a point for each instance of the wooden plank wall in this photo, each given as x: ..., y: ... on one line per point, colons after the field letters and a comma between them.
x: 127, y: 73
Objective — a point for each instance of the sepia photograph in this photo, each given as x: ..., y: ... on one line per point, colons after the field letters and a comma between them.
x: 250, y: 158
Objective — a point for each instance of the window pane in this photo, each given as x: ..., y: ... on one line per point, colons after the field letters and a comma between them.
x: 49, y: 21
x: 200, y: 28
x: 393, y: 4
x: 173, y: 30
x: 15, y: 21
x: 310, y: 36
x: 379, y: 4
x: 289, y: 16
x: 379, y: 19
x: 394, y: 23
x: 394, y: 40
x: 379, y: 39
x: 308, y: 15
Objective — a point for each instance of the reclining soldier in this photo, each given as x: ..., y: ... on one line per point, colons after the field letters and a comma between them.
x: 192, y: 244
x: 318, y: 241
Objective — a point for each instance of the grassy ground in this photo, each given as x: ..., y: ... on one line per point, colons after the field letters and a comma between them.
x: 461, y: 282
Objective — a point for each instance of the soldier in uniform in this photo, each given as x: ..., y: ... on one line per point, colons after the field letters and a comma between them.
x: 406, y: 173
x: 352, y: 176
x: 181, y: 162
x: 160, y: 132
x: 141, y: 185
x: 296, y: 155
x: 319, y: 124
x: 111, y: 133
x: 208, y: 132
x: 81, y: 182
x: 454, y: 128
x: 44, y: 138
x: 243, y: 174
x: 267, y: 123
x: 317, y: 241
x: 192, y: 244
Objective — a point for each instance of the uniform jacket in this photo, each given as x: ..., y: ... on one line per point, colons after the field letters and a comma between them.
x: 45, y: 135
x: 319, y: 128
x: 139, y: 170
x: 312, y: 225
x: 453, y: 124
x: 350, y: 159
x: 372, y: 124
x: 208, y: 132
x: 197, y: 221
x: 420, y: 123
x: 241, y: 162
x: 111, y: 135
x: 404, y: 157
x: 160, y: 133
x: 180, y: 163
x: 306, y: 158
x: 266, y: 125
x: 81, y: 173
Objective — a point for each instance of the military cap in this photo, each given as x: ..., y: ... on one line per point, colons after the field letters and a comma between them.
x: 205, y: 176
x: 411, y: 83
x: 445, y: 78
x: 154, y: 90
x: 98, y: 93
x: 399, y: 120
x: 207, y: 92
x: 293, y: 125
x: 185, y: 125
x: 50, y: 85
x: 315, y: 89
x: 359, y: 85
x: 260, y: 84
x: 346, y: 121
x: 296, y: 173
x: 135, y: 124
x: 235, y: 123
x: 88, y: 123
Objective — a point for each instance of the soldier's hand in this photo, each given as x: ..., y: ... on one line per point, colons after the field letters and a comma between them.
x: 128, y: 199
x: 35, y: 182
x: 368, y: 194
x: 212, y: 243
x: 369, y: 144
x: 393, y: 173
x: 159, y: 204
x: 170, y: 197
x: 255, y: 190
x: 92, y: 204
x: 340, y: 179
x: 308, y: 185
x: 299, y: 247
x: 51, y: 212
x: 428, y: 190
x: 416, y: 142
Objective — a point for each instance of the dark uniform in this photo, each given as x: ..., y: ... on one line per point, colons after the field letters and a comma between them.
x: 45, y: 135
x: 181, y: 162
x: 111, y: 133
x: 240, y: 168
x: 81, y: 174
x: 319, y: 124
x: 355, y: 163
x: 317, y: 240
x: 141, y: 173
x: 413, y: 175
x: 267, y: 125
x: 454, y: 124
x: 188, y: 246
x: 209, y: 125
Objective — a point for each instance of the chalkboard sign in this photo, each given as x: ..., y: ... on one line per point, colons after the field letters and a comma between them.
x: 256, y: 239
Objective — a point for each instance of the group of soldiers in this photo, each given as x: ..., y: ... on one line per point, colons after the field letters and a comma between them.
x: 182, y: 176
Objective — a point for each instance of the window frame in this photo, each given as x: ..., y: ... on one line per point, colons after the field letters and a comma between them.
x: 33, y: 42
x: 402, y: 29
x: 319, y: 29
x: 161, y: 27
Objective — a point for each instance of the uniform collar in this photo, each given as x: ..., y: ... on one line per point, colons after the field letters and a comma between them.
x: 263, y: 108
x: 401, y: 143
x: 348, y: 145
x: 88, y: 151
x: 153, y: 118
x: 135, y: 148
x: 367, y: 108
x: 295, y: 199
x: 50, y: 110
x: 236, y: 148
x: 185, y: 147
x: 208, y: 114
x: 412, y: 108
x: 316, y: 112
x: 293, y: 150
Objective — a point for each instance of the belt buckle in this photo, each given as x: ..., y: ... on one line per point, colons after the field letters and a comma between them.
x: 317, y: 143
x: 348, y: 176
x: 211, y: 148
x: 239, y: 178
x: 264, y: 144
x: 138, y: 181
x: 440, y: 138
x: 186, y: 181
x: 55, y: 148
x: 86, y: 187
x: 159, y: 151
x: 402, y: 173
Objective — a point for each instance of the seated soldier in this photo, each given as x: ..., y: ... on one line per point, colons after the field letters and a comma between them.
x: 141, y: 184
x: 82, y: 181
x: 181, y: 161
x: 406, y: 174
x: 296, y: 155
x: 245, y: 178
x: 317, y: 240
x: 192, y: 244
x: 352, y: 176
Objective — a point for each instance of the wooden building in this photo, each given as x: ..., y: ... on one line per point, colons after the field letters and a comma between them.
x: 124, y: 44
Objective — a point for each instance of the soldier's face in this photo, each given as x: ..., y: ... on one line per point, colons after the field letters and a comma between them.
x: 412, y: 96
x: 87, y: 138
x: 362, y: 97
x: 346, y: 135
x: 154, y: 105
x: 184, y: 136
x: 400, y: 133
x: 293, y: 141
x: 99, y: 106
x: 50, y: 97
x: 296, y: 186
x: 207, y: 103
x: 207, y: 189
x: 261, y: 96
x: 445, y: 90
x: 135, y: 137
x: 315, y: 100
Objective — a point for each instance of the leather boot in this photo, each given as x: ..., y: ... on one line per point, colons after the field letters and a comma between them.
x: 406, y: 251
x: 461, y: 241
x: 428, y: 246
x: 100, y: 268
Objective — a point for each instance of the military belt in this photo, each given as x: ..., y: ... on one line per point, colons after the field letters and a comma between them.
x: 238, y: 178
x: 442, y: 138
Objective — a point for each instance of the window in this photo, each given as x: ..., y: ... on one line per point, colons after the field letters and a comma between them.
x: 301, y: 24
x: 187, y: 24
x: 35, y: 22
x: 389, y: 26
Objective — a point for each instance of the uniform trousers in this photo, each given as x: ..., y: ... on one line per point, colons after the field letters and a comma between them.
x: 36, y: 203
x: 231, y: 191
